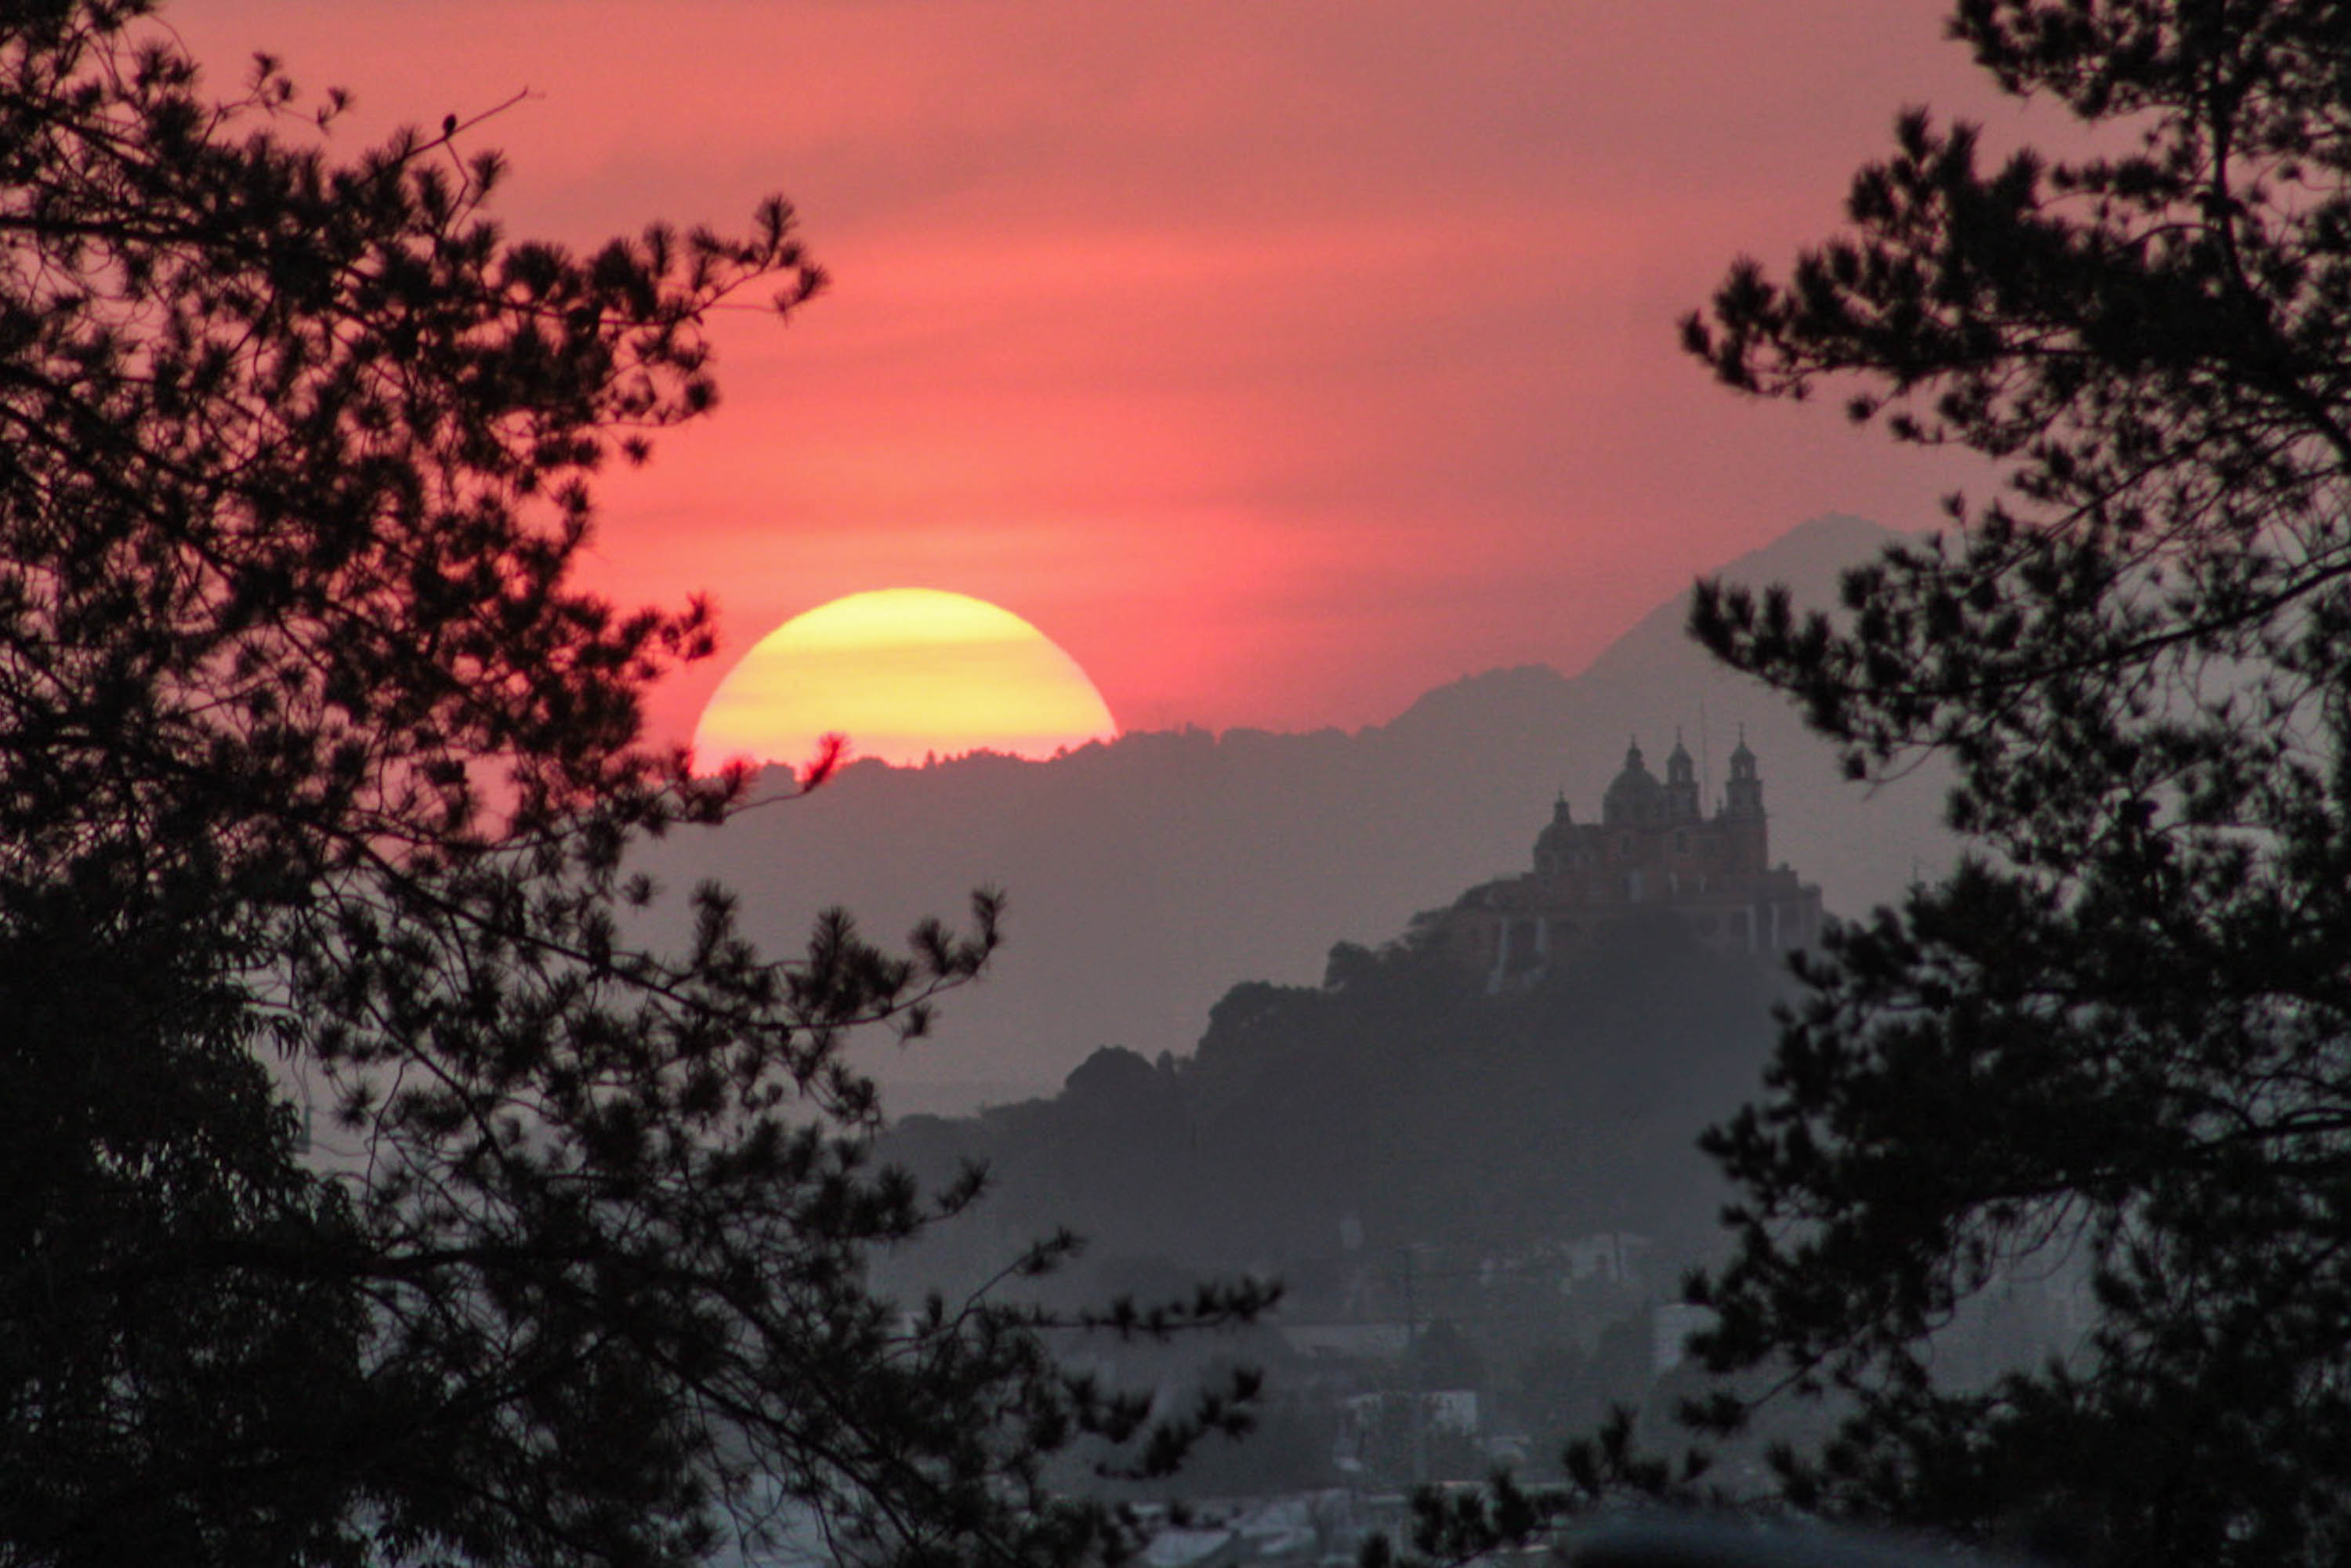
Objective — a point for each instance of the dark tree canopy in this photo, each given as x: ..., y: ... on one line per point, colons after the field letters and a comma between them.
x: 313, y: 760
x: 2118, y: 1040
x: 1398, y: 1102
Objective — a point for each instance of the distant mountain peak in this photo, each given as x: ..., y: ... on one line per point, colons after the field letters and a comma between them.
x: 1808, y: 558
x: 1537, y: 688
x: 1837, y: 533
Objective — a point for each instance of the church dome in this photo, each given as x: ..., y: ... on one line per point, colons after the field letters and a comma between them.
x: 1635, y: 796
x: 1555, y: 845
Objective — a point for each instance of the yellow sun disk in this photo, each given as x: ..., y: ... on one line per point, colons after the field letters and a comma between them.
x: 903, y: 672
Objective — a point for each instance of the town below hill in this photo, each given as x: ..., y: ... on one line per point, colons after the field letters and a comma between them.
x: 1483, y: 1194
x: 1480, y: 1186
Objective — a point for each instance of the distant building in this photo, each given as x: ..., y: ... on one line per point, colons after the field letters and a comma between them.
x: 1652, y: 850
x: 1671, y: 1324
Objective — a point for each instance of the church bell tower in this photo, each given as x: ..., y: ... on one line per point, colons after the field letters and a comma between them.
x: 1743, y: 810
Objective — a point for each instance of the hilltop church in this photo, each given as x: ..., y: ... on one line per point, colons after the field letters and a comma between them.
x: 1651, y: 852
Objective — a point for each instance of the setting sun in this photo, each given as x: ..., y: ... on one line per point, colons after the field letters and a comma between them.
x: 905, y: 674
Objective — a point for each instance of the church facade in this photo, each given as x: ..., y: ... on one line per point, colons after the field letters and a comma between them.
x: 1653, y: 851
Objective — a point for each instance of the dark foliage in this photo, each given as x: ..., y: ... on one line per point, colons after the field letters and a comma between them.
x: 313, y: 763
x: 1395, y: 1105
x: 2115, y: 1042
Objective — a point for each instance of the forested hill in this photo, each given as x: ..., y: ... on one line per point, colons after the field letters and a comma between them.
x: 1146, y: 877
x: 1396, y: 1105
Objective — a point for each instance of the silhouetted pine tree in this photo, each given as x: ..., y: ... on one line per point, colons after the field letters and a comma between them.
x: 308, y: 748
x: 2119, y: 1039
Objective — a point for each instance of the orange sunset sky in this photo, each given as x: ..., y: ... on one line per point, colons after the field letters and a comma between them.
x: 1277, y: 360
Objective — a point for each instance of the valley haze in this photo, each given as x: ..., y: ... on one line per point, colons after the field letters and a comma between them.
x: 1146, y: 877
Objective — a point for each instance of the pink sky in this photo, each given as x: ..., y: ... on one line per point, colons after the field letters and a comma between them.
x: 1279, y: 360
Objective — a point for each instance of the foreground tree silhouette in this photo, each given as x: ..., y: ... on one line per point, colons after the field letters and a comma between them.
x: 309, y: 750
x: 2118, y: 1040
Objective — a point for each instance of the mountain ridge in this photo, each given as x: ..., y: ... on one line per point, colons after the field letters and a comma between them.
x: 1148, y: 876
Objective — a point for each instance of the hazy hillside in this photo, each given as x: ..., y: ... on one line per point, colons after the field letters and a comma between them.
x: 1401, y: 1106
x: 1147, y: 876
